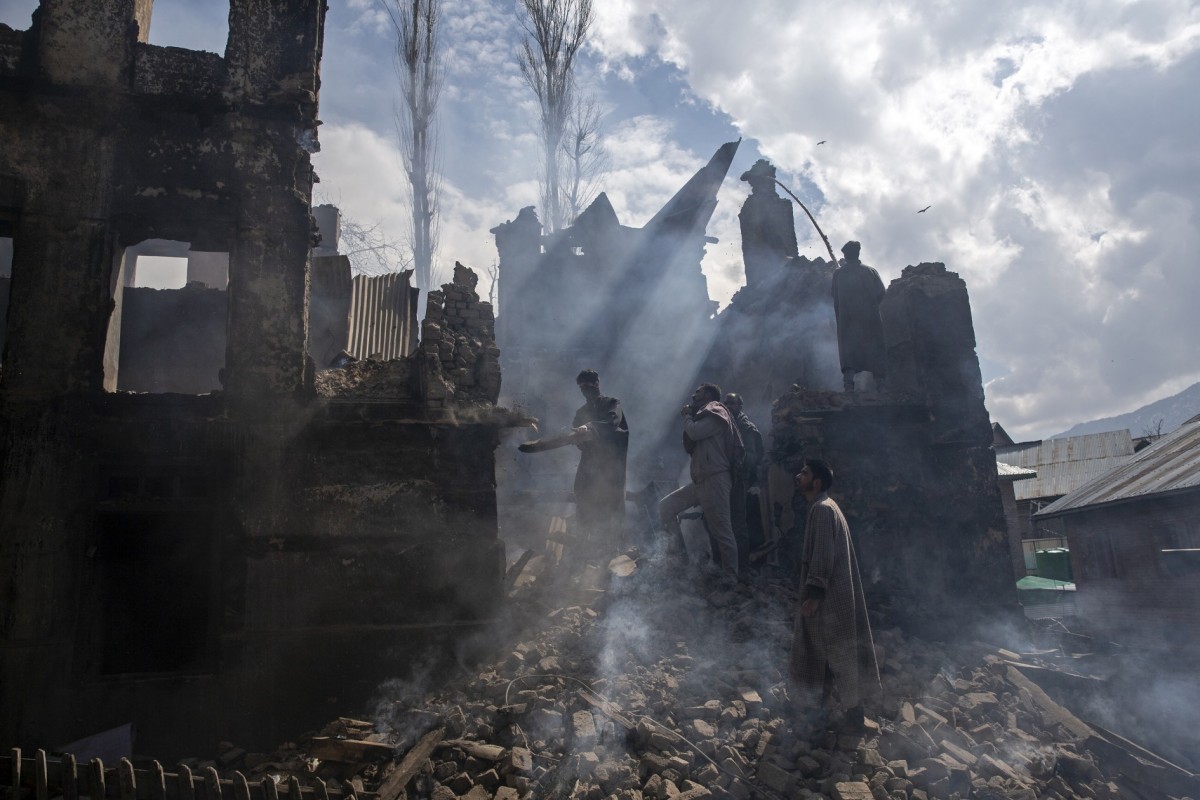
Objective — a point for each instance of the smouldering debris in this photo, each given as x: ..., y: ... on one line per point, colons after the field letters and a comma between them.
x: 670, y: 686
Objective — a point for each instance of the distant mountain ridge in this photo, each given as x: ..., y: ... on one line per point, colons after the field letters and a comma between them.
x: 1173, y: 411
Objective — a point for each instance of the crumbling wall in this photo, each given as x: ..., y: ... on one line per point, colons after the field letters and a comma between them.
x: 235, y: 560
x: 915, y: 473
x: 456, y: 367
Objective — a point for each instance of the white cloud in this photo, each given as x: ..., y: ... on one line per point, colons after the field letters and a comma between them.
x: 952, y: 105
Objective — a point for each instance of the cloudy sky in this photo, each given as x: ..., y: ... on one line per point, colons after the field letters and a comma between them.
x: 1058, y: 145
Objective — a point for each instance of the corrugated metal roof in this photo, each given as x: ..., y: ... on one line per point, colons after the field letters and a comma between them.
x: 1008, y: 472
x: 1171, y: 464
x: 1064, y: 465
x: 383, y: 316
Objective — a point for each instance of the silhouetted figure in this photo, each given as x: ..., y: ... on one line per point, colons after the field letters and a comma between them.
x: 713, y: 442
x: 601, y: 433
x: 831, y: 643
x: 857, y: 292
x: 768, y: 226
x: 744, y: 505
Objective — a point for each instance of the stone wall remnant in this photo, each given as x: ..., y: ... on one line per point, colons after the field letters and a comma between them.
x: 915, y: 471
x: 248, y: 555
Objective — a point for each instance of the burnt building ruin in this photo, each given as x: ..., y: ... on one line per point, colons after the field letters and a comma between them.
x: 594, y: 294
x: 920, y: 484
x: 915, y: 467
x: 219, y: 555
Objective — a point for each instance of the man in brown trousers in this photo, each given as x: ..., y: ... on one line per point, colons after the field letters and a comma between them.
x: 831, y: 644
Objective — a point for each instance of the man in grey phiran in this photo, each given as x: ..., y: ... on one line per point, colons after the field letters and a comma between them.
x: 831, y: 643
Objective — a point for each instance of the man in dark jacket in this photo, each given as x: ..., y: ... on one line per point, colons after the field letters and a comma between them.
x: 601, y: 433
x: 603, y: 440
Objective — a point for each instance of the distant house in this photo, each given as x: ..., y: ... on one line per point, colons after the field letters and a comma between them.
x: 1060, y: 466
x: 1135, y: 540
x: 1008, y: 476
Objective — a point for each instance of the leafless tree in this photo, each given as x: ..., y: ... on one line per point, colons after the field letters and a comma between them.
x: 555, y: 30
x: 419, y: 70
x: 585, y: 160
x: 369, y: 249
x: 493, y: 272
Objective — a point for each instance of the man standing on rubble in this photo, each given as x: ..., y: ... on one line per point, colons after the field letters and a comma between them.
x: 715, y: 446
x: 831, y: 643
x: 743, y: 501
x: 601, y: 433
x: 857, y: 293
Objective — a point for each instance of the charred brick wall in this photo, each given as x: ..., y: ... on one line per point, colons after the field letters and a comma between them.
x: 915, y: 473
x: 219, y: 564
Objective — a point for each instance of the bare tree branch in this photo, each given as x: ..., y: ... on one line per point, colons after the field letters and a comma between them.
x: 420, y: 74
x: 369, y: 249
x: 555, y: 31
x: 585, y: 160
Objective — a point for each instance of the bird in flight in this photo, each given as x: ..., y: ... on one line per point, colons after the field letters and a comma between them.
x: 820, y: 143
x: 923, y: 210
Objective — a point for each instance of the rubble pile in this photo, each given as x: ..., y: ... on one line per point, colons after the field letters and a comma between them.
x: 457, y: 365
x: 369, y: 379
x: 458, y: 345
x: 662, y: 689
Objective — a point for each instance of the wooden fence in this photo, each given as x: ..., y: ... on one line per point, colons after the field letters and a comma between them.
x: 43, y: 778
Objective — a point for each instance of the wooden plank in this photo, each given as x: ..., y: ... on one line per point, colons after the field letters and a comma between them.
x: 96, y: 788
x: 481, y: 750
x: 241, y: 789
x: 70, y: 778
x: 348, y: 751
x: 608, y: 708
x: 396, y: 782
x: 515, y: 571
x: 212, y: 784
x: 15, y: 754
x: 293, y: 787
x: 126, y: 780
x: 270, y: 790
x: 320, y: 790
x: 184, y: 785
x: 1052, y: 712
x: 41, y: 776
x: 156, y: 782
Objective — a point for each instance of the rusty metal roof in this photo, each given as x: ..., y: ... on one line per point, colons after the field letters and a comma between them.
x: 1008, y: 472
x: 1171, y: 464
x: 1064, y: 465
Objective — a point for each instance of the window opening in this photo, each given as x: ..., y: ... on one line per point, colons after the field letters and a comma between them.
x: 167, y: 332
x: 160, y: 272
x: 191, y: 24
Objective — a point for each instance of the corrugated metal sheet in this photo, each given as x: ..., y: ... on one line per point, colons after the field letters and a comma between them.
x: 1064, y: 465
x: 1008, y: 472
x: 1169, y: 465
x: 383, y: 316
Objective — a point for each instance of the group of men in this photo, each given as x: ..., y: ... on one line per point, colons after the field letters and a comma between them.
x: 832, y: 644
x: 725, y: 448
